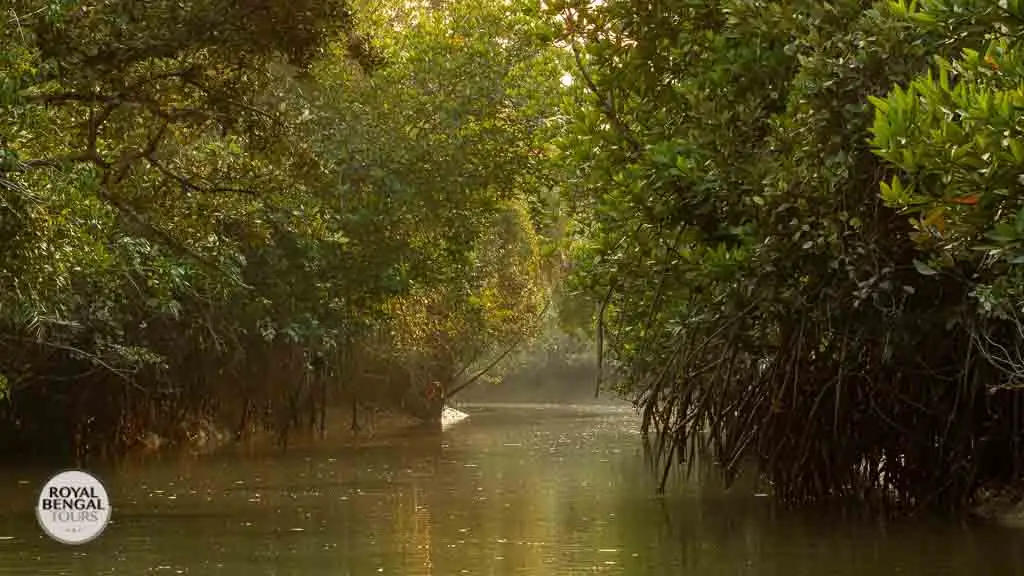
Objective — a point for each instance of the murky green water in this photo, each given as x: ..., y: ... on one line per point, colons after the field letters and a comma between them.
x: 513, y: 490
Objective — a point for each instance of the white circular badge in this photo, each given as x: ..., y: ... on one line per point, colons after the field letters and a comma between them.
x: 73, y: 507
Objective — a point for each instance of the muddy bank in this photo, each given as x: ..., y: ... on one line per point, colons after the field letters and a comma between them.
x: 204, y: 437
x: 1003, y: 505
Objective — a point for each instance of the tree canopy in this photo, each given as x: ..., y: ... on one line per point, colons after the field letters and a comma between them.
x: 195, y: 191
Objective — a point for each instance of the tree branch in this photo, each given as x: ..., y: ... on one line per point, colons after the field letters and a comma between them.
x: 600, y: 337
x: 116, y: 171
x: 124, y: 163
x: 68, y: 97
x: 190, y: 184
x: 166, y: 239
x: 193, y: 82
x: 91, y: 357
x: 495, y: 362
x: 606, y: 103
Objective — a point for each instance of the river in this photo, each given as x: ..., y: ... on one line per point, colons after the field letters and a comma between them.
x: 526, y: 490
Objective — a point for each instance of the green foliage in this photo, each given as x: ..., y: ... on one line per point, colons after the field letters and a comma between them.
x: 460, y: 103
x: 758, y: 296
x: 954, y: 134
x: 187, y: 188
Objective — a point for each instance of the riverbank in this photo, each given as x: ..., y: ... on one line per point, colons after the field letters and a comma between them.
x: 205, y: 437
x: 1003, y: 505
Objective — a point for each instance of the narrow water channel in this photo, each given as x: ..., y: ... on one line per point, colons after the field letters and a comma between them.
x: 513, y: 490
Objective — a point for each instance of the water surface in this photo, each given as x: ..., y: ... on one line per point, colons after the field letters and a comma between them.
x: 513, y: 490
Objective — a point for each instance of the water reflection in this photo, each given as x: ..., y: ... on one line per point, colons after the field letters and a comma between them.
x: 514, y: 490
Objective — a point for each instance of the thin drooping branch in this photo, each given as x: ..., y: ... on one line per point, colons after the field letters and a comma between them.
x: 655, y: 306
x: 600, y: 338
x: 484, y: 370
x: 601, y: 315
x: 466, y: 366
x: 122, y: 374
x: 515, y: 344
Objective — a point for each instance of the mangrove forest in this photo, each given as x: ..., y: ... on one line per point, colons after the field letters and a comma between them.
x: 791, y: 232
